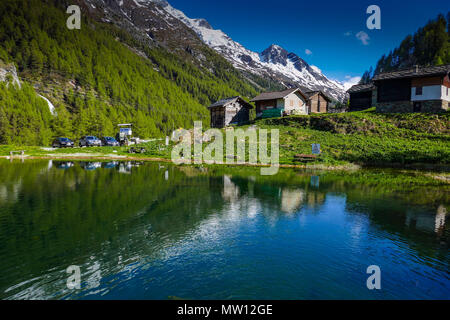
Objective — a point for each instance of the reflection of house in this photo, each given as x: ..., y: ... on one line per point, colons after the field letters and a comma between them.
x: 291, y: 200
x: 230, y: 190
x: 315, y: 199
x: 427, y: 222
x: 360, y: 97
x: 420, y: 89
x: 292, y: 101
x: 228, y: 111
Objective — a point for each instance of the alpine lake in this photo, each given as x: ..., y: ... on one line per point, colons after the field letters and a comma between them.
x: 140, y: 230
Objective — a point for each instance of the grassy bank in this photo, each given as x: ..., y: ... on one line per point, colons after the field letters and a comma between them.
x: 366, y: 138
x: 359, y: 138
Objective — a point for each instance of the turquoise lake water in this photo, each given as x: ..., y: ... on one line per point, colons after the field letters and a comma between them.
x: 156, y: 231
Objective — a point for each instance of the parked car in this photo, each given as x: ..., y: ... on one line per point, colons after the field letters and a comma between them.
x: 109, y: 142
x: 110, y: 165
x: 90, y: 166
x: 62, y: 143
x: 63, y: 165
x: 90, y: 141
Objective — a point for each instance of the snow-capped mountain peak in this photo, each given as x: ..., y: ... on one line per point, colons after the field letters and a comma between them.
x: 275, y: 61
x: 158, y: 18
x: 274, y: 54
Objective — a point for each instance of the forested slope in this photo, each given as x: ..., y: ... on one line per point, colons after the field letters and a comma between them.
x: 99, y: 76
x: 428, y: 46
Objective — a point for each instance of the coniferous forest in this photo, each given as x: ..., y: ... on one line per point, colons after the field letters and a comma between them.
x: 98, y: 77
x: 428, y: 46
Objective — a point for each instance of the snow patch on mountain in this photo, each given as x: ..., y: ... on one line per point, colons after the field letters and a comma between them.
x: 287, y: 68
x: 276, y: 61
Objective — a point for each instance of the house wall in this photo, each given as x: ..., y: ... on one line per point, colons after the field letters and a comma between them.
x: 395, y: 107
x: 318, y: 104
x: 236, y: 113
x: 434, y: 106
x: 265, y: 104
x: 434, y: 96
x: 410, y: 106
x: 434, y: 92
x: 421, y: 82
x: 360, y: 100
x: 294, y: 104
x: 394, y: 90
x: 217, y: 117
x: 280, y: 103
x: 445, y: 94
x: 446, y: 81
x: 433, y: 88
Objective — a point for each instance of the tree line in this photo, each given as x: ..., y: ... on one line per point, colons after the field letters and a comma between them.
x: 429, y: 46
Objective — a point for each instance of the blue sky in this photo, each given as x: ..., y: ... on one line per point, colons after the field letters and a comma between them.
x: 321, y: 32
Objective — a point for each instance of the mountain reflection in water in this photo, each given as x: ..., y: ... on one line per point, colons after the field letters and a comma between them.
x: 151, y: 231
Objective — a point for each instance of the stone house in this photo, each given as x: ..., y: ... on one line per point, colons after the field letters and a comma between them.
x: 292, y: 101
x: 419, y: 89
x: 360, y: 97
x: 229, y: 111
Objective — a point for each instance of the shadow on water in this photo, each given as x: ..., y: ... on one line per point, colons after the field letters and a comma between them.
x: 141, y: 230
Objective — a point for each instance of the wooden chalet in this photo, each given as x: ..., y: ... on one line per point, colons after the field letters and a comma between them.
x: 229, y: 111
x: 292, y: 101
x: 419, y: 89
x: 360, y: 97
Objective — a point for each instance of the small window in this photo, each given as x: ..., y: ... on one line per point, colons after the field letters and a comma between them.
x: 419, y: 91
x: 292, y: 103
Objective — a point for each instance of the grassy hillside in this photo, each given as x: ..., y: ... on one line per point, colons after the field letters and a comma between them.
x: 367, y: 137
x: 100, y: 76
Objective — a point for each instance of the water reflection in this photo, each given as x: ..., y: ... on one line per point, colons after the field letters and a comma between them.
x: 427, y: 222
x: 110, y: 165
x: 161, y: 230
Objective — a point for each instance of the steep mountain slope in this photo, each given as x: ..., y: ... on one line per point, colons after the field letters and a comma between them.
x: 157, y: 20
x: 149, y: 23
x: 137, y: 61
x: 104, y: 74
x: 274, y: 62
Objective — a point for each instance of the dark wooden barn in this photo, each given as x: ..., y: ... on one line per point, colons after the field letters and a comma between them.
x: 360, y: 97
x: 229, y: 111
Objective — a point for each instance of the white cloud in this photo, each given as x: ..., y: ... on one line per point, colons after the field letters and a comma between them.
x: 316, y: 69
x: 308, y: 52
x: 363, y: 37
x: 351, y: 81
x: 348, y: 34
